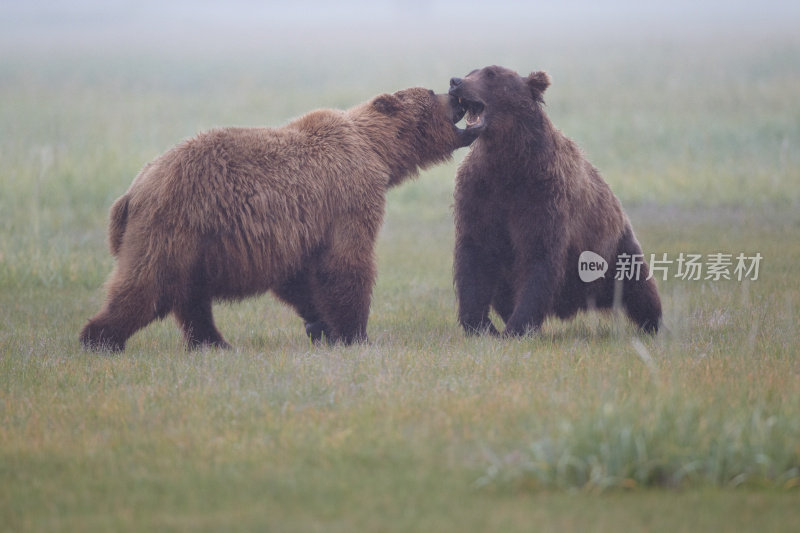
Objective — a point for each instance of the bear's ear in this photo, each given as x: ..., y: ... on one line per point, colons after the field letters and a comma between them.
x: 537, y: 83
x: 388, y: 104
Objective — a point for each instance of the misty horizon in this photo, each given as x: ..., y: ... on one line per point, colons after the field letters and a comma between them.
x: 206, y: 24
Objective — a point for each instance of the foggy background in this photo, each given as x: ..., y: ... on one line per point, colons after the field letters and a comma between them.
x: 306, y: 24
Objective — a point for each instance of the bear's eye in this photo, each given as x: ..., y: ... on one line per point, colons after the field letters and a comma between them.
x: 490, y: 74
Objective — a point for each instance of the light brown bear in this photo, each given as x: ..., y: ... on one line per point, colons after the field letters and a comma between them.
x: 236, y: 212
x: 527, y: 205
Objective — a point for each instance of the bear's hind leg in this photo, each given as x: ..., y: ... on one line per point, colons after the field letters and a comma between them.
x: 128, y: 308
x: 642, y: 304
x: 101, y: 334
x: 639, y: 294
x: 197, y: 322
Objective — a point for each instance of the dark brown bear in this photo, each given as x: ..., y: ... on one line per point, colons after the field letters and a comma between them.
x: 239, y: 211
x: 527, y: 204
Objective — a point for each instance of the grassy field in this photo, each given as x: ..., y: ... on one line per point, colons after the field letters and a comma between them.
x: 587, y: 427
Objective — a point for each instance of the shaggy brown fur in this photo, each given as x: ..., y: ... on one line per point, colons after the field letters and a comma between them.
x: 239, y: 211
x: 527, y: 203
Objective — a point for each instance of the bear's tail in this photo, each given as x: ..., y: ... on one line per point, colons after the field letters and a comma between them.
x: 118, y: 220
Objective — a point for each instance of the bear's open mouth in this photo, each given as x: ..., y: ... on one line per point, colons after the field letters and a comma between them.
x: 474, y: 112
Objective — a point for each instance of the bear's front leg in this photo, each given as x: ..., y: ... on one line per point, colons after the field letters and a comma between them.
x: 296, y: 291
x: 344, y: 298
x: 342, y: 289
x: 475, y: 276
x: 535, y: 300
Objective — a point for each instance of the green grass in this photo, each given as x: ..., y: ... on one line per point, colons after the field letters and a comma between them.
x: 587, y: 427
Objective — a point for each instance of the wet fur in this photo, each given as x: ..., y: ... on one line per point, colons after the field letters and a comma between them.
x: 527, y: 203
x: 296, y: 210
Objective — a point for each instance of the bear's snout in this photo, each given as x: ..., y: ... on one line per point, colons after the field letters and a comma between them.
x: 455, y: 109
x: 455, y: 83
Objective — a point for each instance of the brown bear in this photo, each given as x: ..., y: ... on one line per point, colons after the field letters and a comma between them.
x: 236, y: 212
x: 527, y: 204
